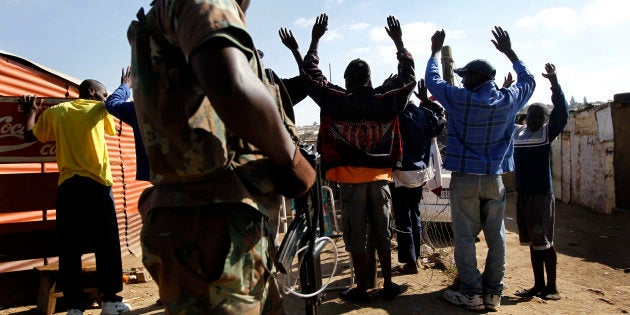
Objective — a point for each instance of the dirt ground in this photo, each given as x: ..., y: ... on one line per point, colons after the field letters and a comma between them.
x: 593, y: 275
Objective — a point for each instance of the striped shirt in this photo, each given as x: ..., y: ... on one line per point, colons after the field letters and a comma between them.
x: 532, y: 149
x: 480, y: 121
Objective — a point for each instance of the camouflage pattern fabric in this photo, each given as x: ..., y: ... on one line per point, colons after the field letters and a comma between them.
x: 210, y: 261
x: 205, y: 259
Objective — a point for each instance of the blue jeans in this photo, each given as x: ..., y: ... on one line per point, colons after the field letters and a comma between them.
x: 478, y: 202
x: 406, y: 207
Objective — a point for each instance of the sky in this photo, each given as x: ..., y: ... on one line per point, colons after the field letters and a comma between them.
x: 583, y: 38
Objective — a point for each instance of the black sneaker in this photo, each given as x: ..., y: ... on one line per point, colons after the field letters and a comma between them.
x: 391, y: 292
x: 355, y: 295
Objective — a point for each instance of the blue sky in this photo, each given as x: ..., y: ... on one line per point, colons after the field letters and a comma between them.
x: 584, y: 38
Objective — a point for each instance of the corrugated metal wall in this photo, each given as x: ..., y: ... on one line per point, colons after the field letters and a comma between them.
x: 587, y: 160
x: 126, y: 189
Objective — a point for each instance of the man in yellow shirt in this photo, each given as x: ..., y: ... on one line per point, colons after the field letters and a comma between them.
x: 85, y: 204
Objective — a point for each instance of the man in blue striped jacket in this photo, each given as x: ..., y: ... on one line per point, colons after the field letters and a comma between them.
x: 479, y: 149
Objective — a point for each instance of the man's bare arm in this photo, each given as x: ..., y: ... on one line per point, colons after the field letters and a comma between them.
x: 241, y: 99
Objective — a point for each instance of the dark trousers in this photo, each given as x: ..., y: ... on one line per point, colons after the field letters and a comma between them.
x: 406, y: 204
x: 86, y: 212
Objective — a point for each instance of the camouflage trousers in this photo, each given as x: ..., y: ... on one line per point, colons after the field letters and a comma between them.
x: 210, y: 260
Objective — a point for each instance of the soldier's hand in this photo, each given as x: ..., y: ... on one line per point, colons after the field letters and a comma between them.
x: 295, y: 179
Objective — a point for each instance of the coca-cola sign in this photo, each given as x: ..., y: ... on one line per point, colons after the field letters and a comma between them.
x: 13, y: 148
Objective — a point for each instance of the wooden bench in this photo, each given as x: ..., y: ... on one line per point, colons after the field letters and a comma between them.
x: 49, y: 291
x: 23, y: 241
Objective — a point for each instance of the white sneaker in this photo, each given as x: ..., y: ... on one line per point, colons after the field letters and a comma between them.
x: 115, y: 308
x: 470, y: 302
x: 74, y: 311
x: 492, y: 301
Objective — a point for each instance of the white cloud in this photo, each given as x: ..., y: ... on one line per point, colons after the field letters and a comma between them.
x: 332, y: 35
x: 333, y: 2
x: 357, y: 26
x: 546, y: 43
x: 419, y: 31
x: 602, y: 13
x: 555, y: 18
x: 360, y: 51
x: 607, y: 12
x: 377, y: 34
x: 304, y: 22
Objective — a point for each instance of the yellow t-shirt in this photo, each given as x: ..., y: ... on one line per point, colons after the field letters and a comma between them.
x: 79, y: 129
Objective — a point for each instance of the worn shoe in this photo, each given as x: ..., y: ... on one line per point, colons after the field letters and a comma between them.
x: 389, y: 293
x: 406, y: 269
x: 355, y: 295
x: 75, y: 311
x: 492, y: 301
x: 528, y: 292
x: 550, y: 295
x: 470, y: 302
x: 115, y: 308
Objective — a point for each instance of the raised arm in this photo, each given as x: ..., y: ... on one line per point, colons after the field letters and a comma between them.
x: 503, y: 43
x: 550, y: 74
x: 508, y: 80
x: 117, y: 105
x: 30, y: 105
x: 422, y: 95
x: 319, y: 29
x: 289, y: 41
x: 395, y: 32
x: 437, y: 41
x: 560, y: 112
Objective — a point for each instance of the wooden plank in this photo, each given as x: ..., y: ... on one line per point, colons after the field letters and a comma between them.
x: 28, y: 245
x: 27, y: 192
x: 23, y: 227
x: 30, y: 240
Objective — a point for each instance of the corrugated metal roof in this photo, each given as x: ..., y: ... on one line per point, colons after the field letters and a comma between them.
x: 20, y: 76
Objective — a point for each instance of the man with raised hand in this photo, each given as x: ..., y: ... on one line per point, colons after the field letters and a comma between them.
x: 479, y: 149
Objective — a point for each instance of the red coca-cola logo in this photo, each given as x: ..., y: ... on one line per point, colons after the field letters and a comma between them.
x: 13, y: 148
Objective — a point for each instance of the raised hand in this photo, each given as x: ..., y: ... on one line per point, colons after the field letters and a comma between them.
x: 320, y: 27
x: 287, y: 38
x: 437, y: 41
x: 394, y: 31
x: 550, y: 68
x: 390, y: 80
x: 508, y: 81
x: 425, y: 101
x: 501, y: 39
x: 30, y: 104
x: 503, y: 43
x: 422, y: 92
x: 125, y: 77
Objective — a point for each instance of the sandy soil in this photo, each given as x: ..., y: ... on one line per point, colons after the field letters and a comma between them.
x: 593, y: 275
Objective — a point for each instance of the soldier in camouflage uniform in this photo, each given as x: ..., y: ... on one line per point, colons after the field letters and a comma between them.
x: 220, y: 157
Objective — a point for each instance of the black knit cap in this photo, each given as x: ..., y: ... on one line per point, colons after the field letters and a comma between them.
x: 357, y: 68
